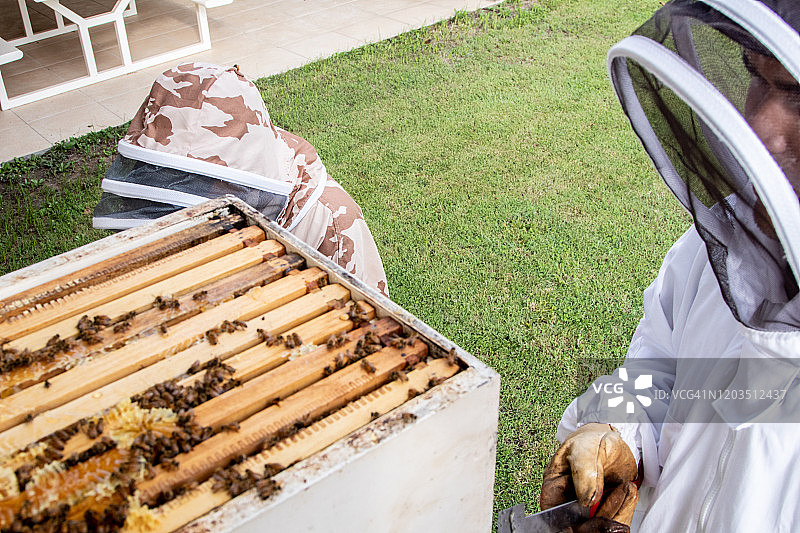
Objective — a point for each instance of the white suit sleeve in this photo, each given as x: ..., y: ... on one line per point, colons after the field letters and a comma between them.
x: 653, y: 350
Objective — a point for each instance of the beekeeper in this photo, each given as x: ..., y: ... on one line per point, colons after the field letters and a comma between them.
x: 203, y: 132
x: 705, y: 411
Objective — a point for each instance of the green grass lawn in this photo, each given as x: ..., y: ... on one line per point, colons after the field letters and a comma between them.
x: 514, y: 208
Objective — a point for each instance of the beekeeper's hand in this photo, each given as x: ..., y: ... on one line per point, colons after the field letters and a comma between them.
x: 592, y: 459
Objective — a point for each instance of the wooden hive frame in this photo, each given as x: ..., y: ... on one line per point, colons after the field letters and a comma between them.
x: 279, y: 395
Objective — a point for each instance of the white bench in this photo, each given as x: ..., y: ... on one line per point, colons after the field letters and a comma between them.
x: 82, y: 25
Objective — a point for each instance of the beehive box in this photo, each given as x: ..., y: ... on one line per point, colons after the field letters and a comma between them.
x: 210, y: 372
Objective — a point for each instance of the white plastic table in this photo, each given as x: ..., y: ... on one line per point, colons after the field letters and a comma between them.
x: 122, y: 8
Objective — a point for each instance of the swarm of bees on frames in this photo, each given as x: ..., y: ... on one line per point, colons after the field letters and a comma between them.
x: 235, y: 483
x: 157, y: 449
x: 180, y: 398
x: 11, y: 358
x: 88, y: 332
x: 54, y: 518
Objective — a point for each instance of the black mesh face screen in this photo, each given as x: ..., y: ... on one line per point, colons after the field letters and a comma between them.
x: 162, y: 182
x: 746, y: 256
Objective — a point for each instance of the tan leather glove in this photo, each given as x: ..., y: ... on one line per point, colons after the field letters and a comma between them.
x: 590, y: 458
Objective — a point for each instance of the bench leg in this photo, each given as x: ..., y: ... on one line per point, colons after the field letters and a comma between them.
x: 3, y: 95
x: 88, y: 51
x: 202, y: 24
x: 26, y: 18
x: 122, y: 40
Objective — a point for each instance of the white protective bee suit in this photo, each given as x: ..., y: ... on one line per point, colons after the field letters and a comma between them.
x: 723, y: 316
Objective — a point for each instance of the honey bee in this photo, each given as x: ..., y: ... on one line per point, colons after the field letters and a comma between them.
x: 301, y: 422
x: 101, y: 321
x: 397, y: 342
x: 327, y: 371
x: 270, y: 469
x: 200, y: 295
x: 398, y: 375
x: 162, y: 329
x: 239, y: 292
x: 368, y: 367
x: 266, y: 337
x: 122, y: 327
x: 233, y: 426
x: 194, y: 369
x: 274, y: 401
x: 451, y: 356
x: 266, y: 487
x: 84, y: 323
x: 56, y: 443
x: 408, y: 417
x: 46, y: 384
x: 213, y: 335
x: 435, y: 381
x: 374, y: 414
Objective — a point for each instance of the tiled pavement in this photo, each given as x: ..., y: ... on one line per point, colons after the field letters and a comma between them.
x: 263, y: 37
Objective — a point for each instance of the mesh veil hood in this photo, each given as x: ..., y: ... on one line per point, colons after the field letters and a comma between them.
x: 202, y: 132
x: 684, y: 81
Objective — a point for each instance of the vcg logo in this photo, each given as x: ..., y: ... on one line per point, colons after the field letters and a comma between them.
x: 643, y: 382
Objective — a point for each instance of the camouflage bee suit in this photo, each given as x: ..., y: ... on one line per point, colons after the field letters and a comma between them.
x: 203, y: 132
